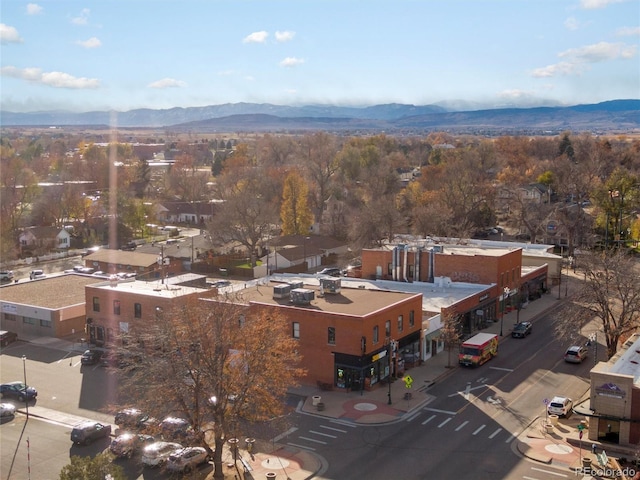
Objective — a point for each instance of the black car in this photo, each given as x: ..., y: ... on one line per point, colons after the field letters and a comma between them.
x: 91, y: 357
x: 132, y: 417
x: 333, y: 272
x: 88, y: 432
x: 18, y: 391
x: 521, y: 330
x: 7, y: 337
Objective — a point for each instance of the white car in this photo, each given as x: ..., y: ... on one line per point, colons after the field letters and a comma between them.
x: 158, y: 453
x: 7, y: 409
x: 187, y: 459
x: 560, y: 406
x: 36, y: 274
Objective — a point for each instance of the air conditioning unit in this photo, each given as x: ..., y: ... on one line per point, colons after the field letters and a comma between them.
x: 296, y: 284
x: 301, y: 296
x: 331, y: 285
x: 281, y: 291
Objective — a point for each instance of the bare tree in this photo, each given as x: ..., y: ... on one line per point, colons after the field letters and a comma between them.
x: 450, y: 333
x: 610, y: 293
x: 214, y: 363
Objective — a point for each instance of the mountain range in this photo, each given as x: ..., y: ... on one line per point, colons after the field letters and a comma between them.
x: 612, y: 116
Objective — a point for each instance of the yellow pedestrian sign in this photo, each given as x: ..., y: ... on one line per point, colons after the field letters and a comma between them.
x: 408, y: 381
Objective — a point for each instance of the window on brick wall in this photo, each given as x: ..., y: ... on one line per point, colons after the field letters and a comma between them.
x: 412, y: 320
x: 331, y: 335
x: 96, y: 304
x: 376, y: 334
x: 387, y: 328
x: 400, y: 323
x: 137, y: 310
x: 116, y: 307
x: 295, y: 329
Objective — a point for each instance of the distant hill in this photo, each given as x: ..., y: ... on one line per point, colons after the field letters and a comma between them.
x: 611, y: 116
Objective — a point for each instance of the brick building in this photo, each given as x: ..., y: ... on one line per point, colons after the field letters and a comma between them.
x: 348, y: 337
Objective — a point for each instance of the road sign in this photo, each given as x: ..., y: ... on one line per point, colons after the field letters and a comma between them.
x: 546, y: 401
x: 580, y: 435
x: 580, y: 427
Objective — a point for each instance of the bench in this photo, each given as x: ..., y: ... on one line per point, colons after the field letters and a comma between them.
x: 246, y: 465
x: 325, y: 386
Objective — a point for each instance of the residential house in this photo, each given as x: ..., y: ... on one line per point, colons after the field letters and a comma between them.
x: 147, y: 266
x: 190, y: 213
x: 41, y: 240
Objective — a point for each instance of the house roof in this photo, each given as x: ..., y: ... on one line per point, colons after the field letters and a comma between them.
x: 312, y: 242
x: 43, y: 232
x: 52, y: 292
x: 135, y: 259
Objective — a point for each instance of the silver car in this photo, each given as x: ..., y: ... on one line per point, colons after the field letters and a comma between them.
x: 158, y: 453
x: 187, y: 459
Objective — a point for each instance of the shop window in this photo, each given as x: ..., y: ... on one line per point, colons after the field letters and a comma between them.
x: 331, y: 335
x: 116, y: 307
x: 295, y: 329
x: 96, y: 304
x: 376, y: 333
x: 29, y: 320
x: 412, y: 320
x: 10, y: 316
x: 387, y: 328
x: 45, y: 323
x: 137, y: 310
x: 400, y: 323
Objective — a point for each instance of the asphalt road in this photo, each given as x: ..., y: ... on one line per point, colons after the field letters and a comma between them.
x: 468, y: 429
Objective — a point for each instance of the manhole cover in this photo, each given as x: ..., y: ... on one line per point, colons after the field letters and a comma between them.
x: 558, y: 449
x: 275, y: 462
x: 365, y: 407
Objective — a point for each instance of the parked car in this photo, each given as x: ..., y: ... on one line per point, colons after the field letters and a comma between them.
x: 6, y: 275
x: 521, y: 330
x: 576, y: 354
x: 560, y: 406
x: 18, y: 391
x: 157, y: 453
x: 127, y: 444
x: 220, y: 283
x: 333, y: 272
x: 7, y: 337
x: 7, y: 409
x: 129, y: 247
x: 187, y: 459
x: 91, y: 356
x: 88, y: 432
x: 36, y: 274
x: 132, y: 418
x: 175, y: 428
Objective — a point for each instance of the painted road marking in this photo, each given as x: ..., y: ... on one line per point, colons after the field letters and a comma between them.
x: 323, y: 434
x: 428, y: 419
x: 445, y: 422
x: 313, y: 440
x: 334, y: 429
x: 495, y: 433
x: 285, y: 434
x: 549, y: 472
x: 305, y: 447
x: 344, y: 423
x: 503, y: 369
x: 439, y: 411
x: 478, y: 430
x: 462, y: 425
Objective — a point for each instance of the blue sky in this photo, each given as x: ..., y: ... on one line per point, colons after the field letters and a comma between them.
x: 122, y: 55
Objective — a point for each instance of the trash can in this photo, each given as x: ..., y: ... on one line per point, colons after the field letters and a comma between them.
x: 249, y: 441
x: 316, y: 399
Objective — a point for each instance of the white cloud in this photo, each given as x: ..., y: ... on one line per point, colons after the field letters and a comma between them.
x: 599, y: 52
x: 256, y: 37
x: 93, y: 42
x: 291, y: 62
x: 628, y: 32
x: 51, y: 79
x: 83, y: 18
x: 572, y: 23
x: 34, y: 9
x: 593, y: 4
x: 9, y: 34
x: 562, y: 68
x: 578, y: 59
x: 167, y: 83
x: 285, y: 36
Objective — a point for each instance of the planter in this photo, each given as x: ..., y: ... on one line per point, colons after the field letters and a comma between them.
x: 553, y: 419
x: 586, y: 462
x: 270, y: 475
x: 548, y: 427
x: 316, y: 399
x: 320, y: 406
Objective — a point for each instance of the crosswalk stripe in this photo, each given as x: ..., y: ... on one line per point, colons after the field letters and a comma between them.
x: 495, y: 433
x: 323, y: 434
x: 428, y: 419
x: 312, y: 440
x: 462, y: 425
x: 479, y: 429
x: 333, y: 429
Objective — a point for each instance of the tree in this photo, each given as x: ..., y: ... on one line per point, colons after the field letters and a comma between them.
x: 295, y: 214
x: 99, y: 467
x: 610, y: 293
x: 450, y: 333
x: 214, y: 363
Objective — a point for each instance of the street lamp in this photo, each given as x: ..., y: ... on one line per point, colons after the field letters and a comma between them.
x: 389, y: 376
x: 26, y: 396
x: 504, y: 297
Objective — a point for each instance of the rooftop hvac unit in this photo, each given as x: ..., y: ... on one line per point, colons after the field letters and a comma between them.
x: 331, y: 285
x: 296, y: 284
x: 301, y: 296
x: 281, y: 291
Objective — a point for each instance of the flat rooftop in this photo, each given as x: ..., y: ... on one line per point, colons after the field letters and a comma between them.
x: 349, y: 301
x: 153, y: 289
x: 53, y: 292
x: 626, y: 361
x: 435, y: 296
